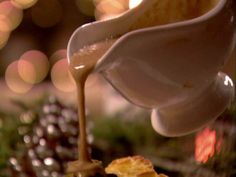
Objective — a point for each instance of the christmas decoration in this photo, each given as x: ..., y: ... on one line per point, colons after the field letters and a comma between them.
x: 50, y: 145
x: 41, y: 139
x: 10, y: 134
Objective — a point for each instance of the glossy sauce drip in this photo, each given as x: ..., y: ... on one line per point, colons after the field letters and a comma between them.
x: 80, y: 66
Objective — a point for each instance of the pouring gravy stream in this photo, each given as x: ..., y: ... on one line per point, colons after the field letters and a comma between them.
x: 81, y: 65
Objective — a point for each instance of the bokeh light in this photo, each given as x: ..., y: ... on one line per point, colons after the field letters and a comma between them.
x: 10, y: 16
x: 17, y: 44
x: 14, y: 81
x: 106, y: 9
x: 58, y: 55
x: 33, y: 66
x: 46, y: 13
x: 61, y: 77
x: 134, y: 3
x: 27, y: 71
x: 4, y: 36
x: 24, y: 4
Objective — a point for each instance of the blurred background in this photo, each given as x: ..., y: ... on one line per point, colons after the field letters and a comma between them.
x: 34, y: 84
x: 33, y: 40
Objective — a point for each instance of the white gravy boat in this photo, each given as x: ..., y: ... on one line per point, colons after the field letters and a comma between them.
x: 173, y: 69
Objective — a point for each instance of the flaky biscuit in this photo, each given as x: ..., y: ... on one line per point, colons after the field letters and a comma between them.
x: 135, y: 166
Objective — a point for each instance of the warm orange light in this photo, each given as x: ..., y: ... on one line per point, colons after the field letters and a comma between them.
x: 206, y: 145
x: 27, y: 71
x: 61, y: 78
x: 58, y: 55
x: 10, y: 16
x: 14, y: 81
x: 134, y: 3
x: 24, y: 4
x: 33, y: 66
x: 110, y: 7
x: 106, y: 9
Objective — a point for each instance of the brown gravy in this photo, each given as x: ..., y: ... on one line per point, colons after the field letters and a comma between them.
x: 81, y: 65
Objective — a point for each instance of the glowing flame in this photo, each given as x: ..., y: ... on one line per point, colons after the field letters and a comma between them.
x: 134, y: 3
x: 206, y: 145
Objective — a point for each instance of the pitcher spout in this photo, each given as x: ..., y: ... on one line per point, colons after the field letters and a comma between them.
x: 101, y: 30
x: 160, y: 66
